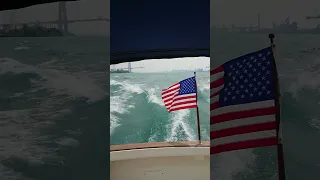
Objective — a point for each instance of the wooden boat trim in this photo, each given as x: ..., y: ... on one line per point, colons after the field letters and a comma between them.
x: 123, y: 147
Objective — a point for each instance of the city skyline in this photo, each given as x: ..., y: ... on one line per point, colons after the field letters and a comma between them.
x: 244, y: 13
x: 161, y: 65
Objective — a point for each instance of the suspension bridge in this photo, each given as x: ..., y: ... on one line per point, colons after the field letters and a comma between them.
x: 129, y: 68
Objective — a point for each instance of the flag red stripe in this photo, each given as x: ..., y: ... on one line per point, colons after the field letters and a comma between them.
x: 173, y: 97
x: 215, y: 94
x: 214, y: 105
x: 184, y: 107
x: 184, y: 102
x: 217, y: 70
x: 168, y: 95
x: 170, y: 90
x: 244, y: 145
x: 179, y: 98
x: 242, y: 114
x: 244, y: 129
x: 217, y: 83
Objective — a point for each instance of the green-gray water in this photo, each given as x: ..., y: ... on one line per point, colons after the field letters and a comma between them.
x: 138, y: 115
x: 54, y: 108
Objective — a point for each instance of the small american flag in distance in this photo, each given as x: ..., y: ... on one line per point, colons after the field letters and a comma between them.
x: 182, y: 95
x: 242, y: 103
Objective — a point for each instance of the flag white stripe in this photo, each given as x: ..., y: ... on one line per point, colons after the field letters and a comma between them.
x: 243, y: 137
x: 242, y: 107
x: 215, y: 90
x: 168, y: 90
x: 183, y: 100
x: 214, y: 99
x: 182, y: 105
x: 170, y: 97
x: 242, y: 122
x: 216, y: 76
x: 185, y: 95
x: 170, y: 94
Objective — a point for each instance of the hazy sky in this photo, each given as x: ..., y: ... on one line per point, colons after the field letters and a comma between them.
x: 160, y: 65
x: 84, y: 9
x: 244, y: 12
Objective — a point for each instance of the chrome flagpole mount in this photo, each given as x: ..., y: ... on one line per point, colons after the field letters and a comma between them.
x: 198, y: 117
x: 271, y: 37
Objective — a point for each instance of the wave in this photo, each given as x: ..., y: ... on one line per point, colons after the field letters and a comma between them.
x: 154, y: 97
x: 21, y: 48
x: 128, y: 98
x: 204, y: 88
x: 119, y: 104
x: 235, y: 161
x: 180, y: 125
x: 48, y: 95
x: 61, y: 82
x: 20, y: 143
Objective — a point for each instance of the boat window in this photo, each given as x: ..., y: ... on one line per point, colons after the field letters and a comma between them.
x: 137, y: 111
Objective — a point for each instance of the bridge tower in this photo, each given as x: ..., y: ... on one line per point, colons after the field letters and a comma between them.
x: 63, y: 18
x: 129, y: 67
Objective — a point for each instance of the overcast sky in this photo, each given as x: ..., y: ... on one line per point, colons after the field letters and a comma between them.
x: 160, y: 65
x: 244, y: 12
x: 226, y: 12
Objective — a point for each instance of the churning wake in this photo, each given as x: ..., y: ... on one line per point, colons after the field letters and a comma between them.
x: 136, y: 100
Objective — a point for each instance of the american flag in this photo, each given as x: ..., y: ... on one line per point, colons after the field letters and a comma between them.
x: 242, y: 103
x: 182, y: 95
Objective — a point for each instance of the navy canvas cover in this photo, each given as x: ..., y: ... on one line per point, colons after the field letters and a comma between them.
x: 5, y: 5
x: 152, y: 29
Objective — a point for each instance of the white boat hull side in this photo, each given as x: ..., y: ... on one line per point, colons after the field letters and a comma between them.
x: 169, y: 163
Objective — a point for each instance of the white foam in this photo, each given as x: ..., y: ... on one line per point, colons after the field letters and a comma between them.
x: 118, y: 105
x: 204, y: 85
x: 67, y: 142
x: 152, y: 96
x: 179, y: 120
x: 134, y: 88
x: 128, y: 86
x: 21, y: 48
x: 153, y: 138
x: 315, y: 122
x: 114, y: 82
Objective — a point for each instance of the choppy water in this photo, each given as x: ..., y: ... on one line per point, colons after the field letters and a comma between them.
x: 298, y: 61
x: 138, y: 115
x: 54, y: 108
x: 54, y: 117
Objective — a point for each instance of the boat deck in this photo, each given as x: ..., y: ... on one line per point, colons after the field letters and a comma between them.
x: 160, y: 160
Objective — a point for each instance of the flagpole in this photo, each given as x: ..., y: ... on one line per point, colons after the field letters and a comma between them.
x: 281, y: 168
x: 198, y: 119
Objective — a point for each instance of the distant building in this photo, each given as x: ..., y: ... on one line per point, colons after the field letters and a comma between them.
x: 286, y: 26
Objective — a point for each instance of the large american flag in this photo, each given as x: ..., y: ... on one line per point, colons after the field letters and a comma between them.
x: 182, y: 95
x: 242, y: 103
